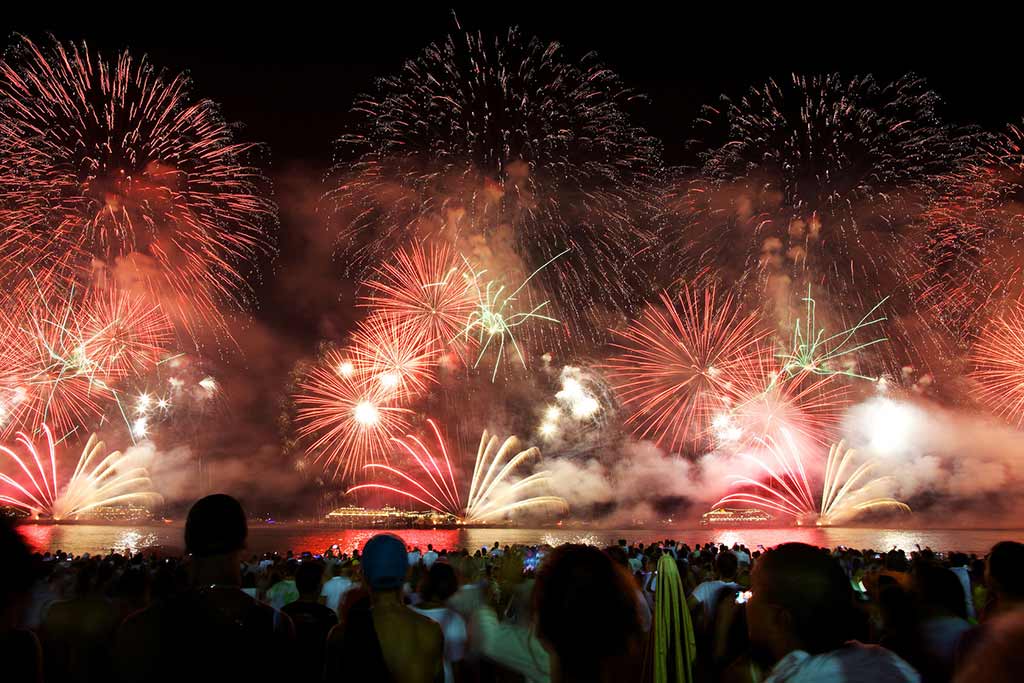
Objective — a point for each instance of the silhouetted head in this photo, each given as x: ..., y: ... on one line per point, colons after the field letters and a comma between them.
x: 801, y: 600
x: 215, y: 526
x: 309, y: 577
x: 585, y: 608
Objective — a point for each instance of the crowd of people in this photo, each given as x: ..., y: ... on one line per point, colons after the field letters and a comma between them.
x: 660, y: 612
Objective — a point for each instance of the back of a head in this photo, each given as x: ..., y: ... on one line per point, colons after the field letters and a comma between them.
x: 15, y: 567
x: 585, y: 608
x: 215, y: 526
x: 1005, y: 569
x: 726, y: 563
x: 440, y: 582
x: 309, y: 576
x: 385, y: 562
x: 938, y: 590
x: 813, y: 588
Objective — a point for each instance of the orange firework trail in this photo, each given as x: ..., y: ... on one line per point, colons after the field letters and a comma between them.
x: 113, y: 163
x: 492, y: 495
x: 63, y: 361
x: 787, y: 488
x: 681, y: 363
x: 391, y: 355
x: 98, y: 480
x: 808, y: 405
x: 348, y: 420
x: 999, y: 365
x: 426, y: 288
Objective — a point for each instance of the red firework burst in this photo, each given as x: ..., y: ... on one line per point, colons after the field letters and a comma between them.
x: 124, y: 335
x: 808, y: 406
x: 999, y: 365
x: 682, y: 362
x: 111, y: 165
x: 348, y: 420
x: 427, y: 289
x: 386, y: 353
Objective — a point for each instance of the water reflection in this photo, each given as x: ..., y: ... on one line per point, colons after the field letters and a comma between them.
x: 82, y: 538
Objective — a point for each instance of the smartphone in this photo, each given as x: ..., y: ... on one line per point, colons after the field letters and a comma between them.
x: 743, y: 597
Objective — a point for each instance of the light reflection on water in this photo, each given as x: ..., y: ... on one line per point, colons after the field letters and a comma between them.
x: 82, y: 538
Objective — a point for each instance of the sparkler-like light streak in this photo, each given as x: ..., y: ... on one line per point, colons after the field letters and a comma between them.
x: 349, y: 421
x: 492, y: 494
x: 811, y: 351
x: 426, y: 288
x: 998, y: 356
x: 680, y: 363
x: 494, y: 316
x: 787, y: 488
x: 97, y: 481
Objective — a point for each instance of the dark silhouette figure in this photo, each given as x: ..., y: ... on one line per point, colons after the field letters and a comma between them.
x: 312, y: 620
x: 212, y: 630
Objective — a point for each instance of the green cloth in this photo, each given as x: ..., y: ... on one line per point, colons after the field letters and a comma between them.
x: 674, y: 643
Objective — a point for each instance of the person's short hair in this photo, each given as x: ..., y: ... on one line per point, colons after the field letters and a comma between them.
x: 385, y: 562
x: 585, y: 607
x: 1006, y: 568
x: 309, y: 576
x: 727, y: 563
x: 439, y: 582
x: 938, y: 587
x: 215, y: 526
x: 814, y: 589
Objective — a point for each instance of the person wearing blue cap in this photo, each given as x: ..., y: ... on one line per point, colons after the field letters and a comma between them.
x: 379, y: 638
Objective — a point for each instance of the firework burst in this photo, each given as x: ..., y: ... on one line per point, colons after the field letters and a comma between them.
x: 98, y: 480
x: 493, y: 494
x: 823, y: 180
x: 681, y: 363
x: 349, y: 421
x: 807, y: 405
x: 112, y: 165
x: 386, y: 352
x: 425, y: 288
x: 509, y: 141
x: 787, y: 489
x: 999, y: 365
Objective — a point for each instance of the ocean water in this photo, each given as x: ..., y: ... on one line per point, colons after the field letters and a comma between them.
x: 81, y: 538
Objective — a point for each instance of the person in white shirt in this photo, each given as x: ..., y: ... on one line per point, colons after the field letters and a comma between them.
x: 414, y: 557
x: 430, y: 556
x: 334, y: 589
x: 801, y: 616
x: 710, y: 593
x: 438, y: 586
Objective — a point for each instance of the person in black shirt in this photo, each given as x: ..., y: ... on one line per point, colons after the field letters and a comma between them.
x: 312, y: 620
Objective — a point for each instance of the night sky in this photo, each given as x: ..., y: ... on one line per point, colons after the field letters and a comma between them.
x: 289, y: 73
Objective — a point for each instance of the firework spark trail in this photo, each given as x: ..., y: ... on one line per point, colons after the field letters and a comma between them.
x: 824, y: 180
x: 679, y: 364
x: 97, y: 480
x: 496, y: 316
x: 426, y: 287
x: 348, y: 420
x: 113, y: 163
x: 810, y: 351
x: 788, y: 488
x: 998, y: 358
x: 493, y: 495
x: 386, y: 352
x: 808, y: 405
x: 510, y: 141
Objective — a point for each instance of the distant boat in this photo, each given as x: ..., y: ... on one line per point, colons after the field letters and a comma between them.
x: 735, y: 517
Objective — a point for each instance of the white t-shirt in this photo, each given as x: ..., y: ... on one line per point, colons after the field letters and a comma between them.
x: 741, y: 557
x: 334, y: 590
x: 414, y: 558
x: 709, y: 593
x: 429, y: 558
x: 454, y: 628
